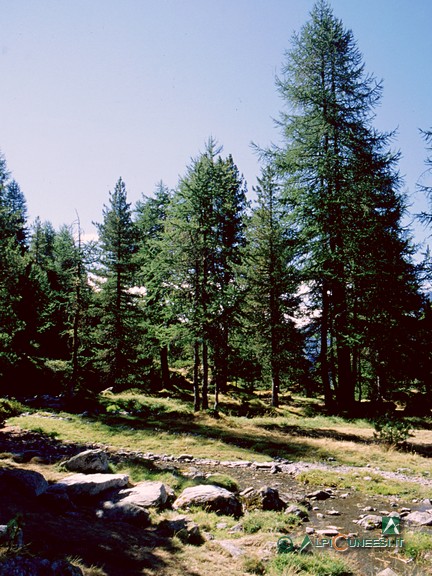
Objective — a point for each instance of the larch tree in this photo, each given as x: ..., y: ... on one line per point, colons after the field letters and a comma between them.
x: 119, y: 322
x: 342, y: 185
x: 205, y: 232
x: 154, y: 272
x: 271, y: 302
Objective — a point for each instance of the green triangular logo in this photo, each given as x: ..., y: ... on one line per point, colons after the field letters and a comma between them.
x: 306, y: 542
x: 390, y: 526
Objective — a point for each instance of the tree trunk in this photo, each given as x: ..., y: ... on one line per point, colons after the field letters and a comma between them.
x: 196, y: 384
x: 163, y: 354
x: 325, y: 380
x: 205, y: 403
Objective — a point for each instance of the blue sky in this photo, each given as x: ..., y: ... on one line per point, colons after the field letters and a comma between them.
x: 97, y: 89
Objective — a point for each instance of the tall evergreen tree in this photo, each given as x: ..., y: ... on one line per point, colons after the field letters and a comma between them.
x: 119, y: 323
x: 205, y: 230
x: 343, y: 188
x: 273, y: 283
x: 154, y: 273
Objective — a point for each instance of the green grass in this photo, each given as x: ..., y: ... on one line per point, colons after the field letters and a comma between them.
x: 417, y: 545
x: 324, y: 564
x: 81, y: 430
x: 163, y: 425
x: 268, y: 521
x: 376, y: 485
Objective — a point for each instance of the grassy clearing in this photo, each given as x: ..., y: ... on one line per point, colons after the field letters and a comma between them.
x: 296, y: 431
x: 371, y: 484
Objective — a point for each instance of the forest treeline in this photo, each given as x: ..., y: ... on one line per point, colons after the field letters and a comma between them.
x: 310, y: 288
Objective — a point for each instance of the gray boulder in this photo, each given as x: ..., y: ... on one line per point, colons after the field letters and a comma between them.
x: 419, y: 518
x: 146, y: 495
x: 263, y: 498
x: 212, y: 498
x: 370, y: 522
x: 296, y: 511
x: 124, y: 512
x: 28, y: 482
x: 92, y: 484
x: 88, y: 462
x: 319, y: 495
x: 182, y: 527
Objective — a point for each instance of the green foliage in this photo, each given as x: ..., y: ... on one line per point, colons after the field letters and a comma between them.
x: 391, y: 432
x: 417, y: 545
x: 337, y: 171
x: 254, y: 565
x: 268, y: 521
x: 10, y: 408
x: 314, y: 565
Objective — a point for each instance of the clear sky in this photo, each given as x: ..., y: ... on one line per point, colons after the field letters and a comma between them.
x: 96, y: 89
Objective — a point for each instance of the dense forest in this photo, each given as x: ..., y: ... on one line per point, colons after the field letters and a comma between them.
x: 311, y: 288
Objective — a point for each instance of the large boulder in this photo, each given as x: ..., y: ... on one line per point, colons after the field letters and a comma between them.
x: 264, y: 498
x: 146, y: 495
x: 212, y: 498
x: 124, y: 512
x: 419, y: 518
x: 370, y: 522
x: 29, y: 482
x: 92, y: 484
x: 88, y: 462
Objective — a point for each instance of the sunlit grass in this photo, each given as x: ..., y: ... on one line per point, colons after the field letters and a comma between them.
x: 140, y: 423
x: 371, y: 484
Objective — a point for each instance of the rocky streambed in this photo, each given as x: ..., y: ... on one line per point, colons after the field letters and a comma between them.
x: 101, y: 514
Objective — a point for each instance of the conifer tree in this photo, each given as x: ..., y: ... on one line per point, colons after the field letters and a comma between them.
x: 119, y: 322
x: 272, y: 285
x: 342, y: 185
x: 154, y: 273
x: 205, y: 233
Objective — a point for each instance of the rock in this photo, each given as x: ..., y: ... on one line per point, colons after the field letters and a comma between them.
x: 231, y: 547
x: 293, y: 509
x: 182, y: 527
x: 28, y: 482
x: 319, y: 495
x: 370, y: 522
x: 264, y: 499
x: 92, y: 484
x: 57, y: 498
x: 236, y: 529
x: 237, y: 464
x: 88, y: 462
x: 146, y: 495
x: 333, y: 513
x: 310, y: 530
x: 419, y: 518
x: 124, y: 512
x: 328, y: 532
x: 29, y: 566
x: 263, y: 465
x: 387, y: 572
x: 209, y: 497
